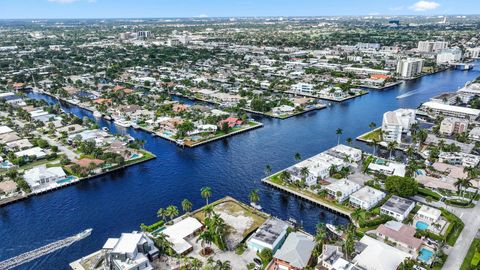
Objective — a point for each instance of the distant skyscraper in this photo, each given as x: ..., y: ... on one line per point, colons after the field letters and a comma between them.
x: 431, y: 46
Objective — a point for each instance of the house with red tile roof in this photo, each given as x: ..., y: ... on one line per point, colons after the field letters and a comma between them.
x: 231, y: 122
x: 400, y: 234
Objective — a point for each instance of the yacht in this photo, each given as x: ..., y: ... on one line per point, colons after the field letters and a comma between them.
x: 97, y: 114
x: 123, y: 123
x: 334, y: 229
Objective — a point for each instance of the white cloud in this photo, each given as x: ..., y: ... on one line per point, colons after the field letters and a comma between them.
x: 424, y: 5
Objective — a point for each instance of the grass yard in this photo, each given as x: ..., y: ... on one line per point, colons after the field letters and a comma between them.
x: 375, y: 134
x: 472, y: 259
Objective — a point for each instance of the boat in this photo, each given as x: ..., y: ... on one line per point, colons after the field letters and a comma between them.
x: 107, y: 117
x: 97, y: 114
x: 334, y: 229
x: 256, y: 206
x: 122, y: 123
x: 105, y: 129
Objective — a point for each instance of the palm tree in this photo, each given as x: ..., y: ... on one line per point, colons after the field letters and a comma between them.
x: 254, y: 198
x: 349, y: 141
x: 410, y: 152
x: 297, y: 156
x: 268, y: 170
x: 358, y: 215
x: 304, y: 172
x: 472, y: 172
x: 161, y: 213
x: 186, y: 205
x: 162, y: 243
x: 462, y: 184
x: 219, y: 265
x: 339, y: 133
x: 285, y: 176
x: 172, y: 211
x: 205, y: 238
x: 372, y: 125
x: 196, y: 264
x: 391, y: 147
x: 206, y: 193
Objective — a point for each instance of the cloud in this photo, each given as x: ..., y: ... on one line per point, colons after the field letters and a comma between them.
x: 202, y: 16
x: 424, y: 5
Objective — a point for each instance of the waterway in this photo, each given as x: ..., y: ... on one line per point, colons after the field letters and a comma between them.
x: 120, y: 201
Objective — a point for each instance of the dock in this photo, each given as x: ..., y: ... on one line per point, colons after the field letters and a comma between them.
x: 300, y: 195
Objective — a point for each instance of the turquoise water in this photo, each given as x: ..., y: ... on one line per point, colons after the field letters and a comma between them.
x: 5, y: 165
x: 65, y: 180
x: 421, y: 225
x: 134, y: 156
x: 425, y: 255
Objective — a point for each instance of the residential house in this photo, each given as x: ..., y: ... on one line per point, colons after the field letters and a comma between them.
x: 376, y: 255
x: 342, y: 189
x: 451, y: 125
x: 401, y: 235
x: 41, y: 175
x: 271, y: 234
x: 397, y: 207
x: 332, y: 258
x: 178, y: 234
x: 295, y: 253
x: 366, y: 197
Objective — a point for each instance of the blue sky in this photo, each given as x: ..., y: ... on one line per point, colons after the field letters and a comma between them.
x: 228, y: 8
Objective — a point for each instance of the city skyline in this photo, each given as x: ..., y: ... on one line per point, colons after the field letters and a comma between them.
x: 57, y: 9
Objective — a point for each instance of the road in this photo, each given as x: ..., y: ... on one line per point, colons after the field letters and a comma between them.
x: 472, y: 223
x: 61, y: 148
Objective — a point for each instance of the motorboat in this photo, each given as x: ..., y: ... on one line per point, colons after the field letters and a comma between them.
x: 256, y: 206
x: 334, y: 229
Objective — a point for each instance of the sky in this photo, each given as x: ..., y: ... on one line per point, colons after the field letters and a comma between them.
x: 20, y: 9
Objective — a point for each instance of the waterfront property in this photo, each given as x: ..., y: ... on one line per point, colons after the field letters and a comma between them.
x: 366, y: 197
x: 295, y: 253
x: 402, y: 236
x: 179, y: 233
x: 340, y: 190
x: 374, y: 254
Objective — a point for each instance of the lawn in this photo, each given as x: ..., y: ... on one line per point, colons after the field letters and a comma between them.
x: 472, y: 258
x: 454, y: 228
x: 425, y: 192
x: 375, y: 134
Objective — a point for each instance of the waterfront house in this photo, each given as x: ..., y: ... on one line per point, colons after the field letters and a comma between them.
x: 345, y: 152
x: 295, y: 253
x: 282, y: 109
x: 41, y: 175
x: 366, y: 197
x: 401, y: 235
x: 458, y: 158
x: 387, y: 167
x: 397, y: 122
x: 7, y: 187
x: 340, y: 190
x: 178, y: 234
x: 397, y: 207
x: 271, y: 234
x: 19, y: 144
x: 131, y: 251
x: 231, y: 122
x: 376, y: 255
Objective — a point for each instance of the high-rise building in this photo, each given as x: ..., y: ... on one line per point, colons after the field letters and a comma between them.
x: 449, y: 56
x: 431, y: 46
x: 144, y: 34
x: 410, y: 67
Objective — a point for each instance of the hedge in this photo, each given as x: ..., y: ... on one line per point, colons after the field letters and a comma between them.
x: 454, y: 229
x: 154, y: 226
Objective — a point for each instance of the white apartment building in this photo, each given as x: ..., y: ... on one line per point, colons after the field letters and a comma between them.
x: 343, y: 151
x: 452, y: 125
x: 302, y: 88
x: 397, y: 207
x: 366, y: 197
x: 454, y: 158
x: 449, y: 56
x: 431, y: 46
x: 434, y: 109
x: 474, y: 52
x: 342, y: 189
x: 410, y: 67
x: 397, y: 122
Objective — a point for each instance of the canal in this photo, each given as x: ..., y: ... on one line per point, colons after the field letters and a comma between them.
x: 119, y: 202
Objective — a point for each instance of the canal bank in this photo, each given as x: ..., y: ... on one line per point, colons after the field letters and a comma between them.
x: 118, y: 202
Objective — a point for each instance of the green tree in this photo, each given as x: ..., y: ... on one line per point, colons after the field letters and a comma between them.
x: 254, y: 198
x: 186, y: 205
x: 401, y: 186
x: 339, y: 133
x: 206, y: 192
x: 265, y: 256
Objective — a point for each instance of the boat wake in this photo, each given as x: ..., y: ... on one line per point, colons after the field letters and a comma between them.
x: 411, y: 93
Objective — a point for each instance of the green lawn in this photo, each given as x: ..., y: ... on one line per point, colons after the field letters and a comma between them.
x: 425, y: 192
x: 375, y: 134
x: 472, y: 258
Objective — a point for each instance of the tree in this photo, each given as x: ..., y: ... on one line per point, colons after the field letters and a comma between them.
x: 186, y: 205
x: 407, y: 264
x: 391, y: 147
x: 339, y: 133
x: 171, y: 211
x: 401, y: 186
x: 304, y: 172
x: 265, y: 256
x: 285, y: 176
x: 205, y: 239
x: 161, y: 213
x: 349, y: 141
x: 268, y: 169
x: 372, y: 125
x: 297, y: 156
x: 254, y: 198
x: 206, y: 192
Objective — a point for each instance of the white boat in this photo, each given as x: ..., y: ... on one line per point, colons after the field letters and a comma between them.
x: 97, y: 114
x: 256, y: 206
x: 107, y: 117
x: 122, y: 123
x: 334, y: 229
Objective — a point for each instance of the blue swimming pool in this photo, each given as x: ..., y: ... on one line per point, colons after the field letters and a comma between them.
x: 421, y: 225
x: 134, y: 156
x: 425, y: 255
x: 66, y: 180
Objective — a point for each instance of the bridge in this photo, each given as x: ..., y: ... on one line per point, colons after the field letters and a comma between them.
x: 41, y: 251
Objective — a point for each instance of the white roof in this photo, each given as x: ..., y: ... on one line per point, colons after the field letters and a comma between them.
x: 35, y: 151
x: 127, y: 243
x: 379, y: 256
x: 183, y: 228
x: 445, y: 107
x: 5, y: 129
x: 110, y: 244
x: 429, y: 212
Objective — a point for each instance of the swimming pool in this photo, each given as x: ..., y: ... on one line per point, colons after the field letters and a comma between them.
x: 421, y: 225
x: 425, y: 255
x: 134, y: 156
x: 66, y: 180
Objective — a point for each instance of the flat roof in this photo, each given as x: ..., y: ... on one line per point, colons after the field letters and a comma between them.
x: 445, y: 107
x: 183, y: 228
x: 5, y: 129
x: 378, y: 255
x: 398, y: 204
x: 269, y: 231
x: 367, y: 194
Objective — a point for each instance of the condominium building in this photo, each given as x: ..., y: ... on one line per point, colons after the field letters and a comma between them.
x: 431, y: 46
x: 451, y: 125
x: 302, y: 88
x: 474, y: 52
x: 397, y: 122
x: 449, y: 56
x: 410, y: 67
x: 435, y: 109
x: 366, y: 197
x: 397, y: 207
x: 342, y: 189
